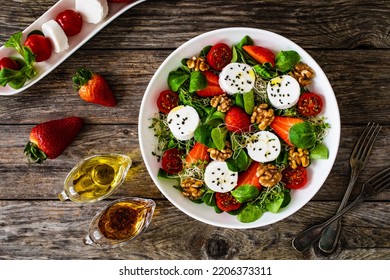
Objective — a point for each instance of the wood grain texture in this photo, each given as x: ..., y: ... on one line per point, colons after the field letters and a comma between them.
x: 349, y: 40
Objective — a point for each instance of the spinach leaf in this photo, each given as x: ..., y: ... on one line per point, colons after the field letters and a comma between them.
x: 249, y: 102
x: 203, y: 135
x: 209, y: 199
x: 320, y: 151
x: 286, y: 60
x: 218, y: 135
x: 250, y: 213
x: 287, y: 198
x: 240, y: 161
x: 215, y: 118
x: 264, y: 72
x: 247, y: 40
x: 176, y: 79
x: 245, y: 193
x: 234, y: 54
x: 205, y: 51
x: 239, y: 100
x: 303, y: 135
x: 274, y: 202
x: 197, y: 81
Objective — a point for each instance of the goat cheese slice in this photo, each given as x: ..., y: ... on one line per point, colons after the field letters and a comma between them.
x: 183, y: 121
x: 283, y: 91
x: 219, y: 178
x: 54, y: 32
x: 237, y: 78
x: 263, y: 146
x: 92, y: 11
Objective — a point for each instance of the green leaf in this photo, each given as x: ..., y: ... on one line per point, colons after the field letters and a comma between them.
x: 197, y: 81
x: 176, y: 79
x: 239, y: 161
x: 234, y: 54
x: 205, y: 51
x: 15, y: 42
x: 28, y: 55
x: 251, y: 213
x: 287, y: 199
x: 239, y: 100
x: 203, y: 135
x: 247, y: 40
x: 249, y: 102
x: 209, y: 199
x: 273, y: 204
x: 215, y: 118
x: 303, y: 135
x: 286, y: 60
x: 245, y: 193
x: 264, y: 72
x: 320, y: 151
x: 218, y: 135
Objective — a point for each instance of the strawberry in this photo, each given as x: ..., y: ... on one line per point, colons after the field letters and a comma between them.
x: 50, y: 139
x: 197, y: 153
x: 213, y: 87
x: 93, y: 88
x: 248, y: 177
x: 282, y: 125
x: 260, y: 54
x: 237, y: 120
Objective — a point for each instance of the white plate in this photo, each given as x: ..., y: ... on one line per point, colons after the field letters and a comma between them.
x: 318, y: 170
x: 88, y: 30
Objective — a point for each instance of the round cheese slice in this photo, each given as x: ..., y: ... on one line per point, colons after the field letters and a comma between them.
x: 183, y: 121
x: 219, y: 178
x: 237, y: 78
x: 263, y: 146
x: 283, y: 91
x: 54, y: 32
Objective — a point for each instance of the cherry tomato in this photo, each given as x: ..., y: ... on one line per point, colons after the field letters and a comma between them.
x: 70, y: 21
x: 167, y: 100
x: 40, y: 47
x: 294, y: 178
x: 226, y: 202
x: 310, y: 104
x: 219, y: 56
x: 7, y: 62
x: 171, y: 161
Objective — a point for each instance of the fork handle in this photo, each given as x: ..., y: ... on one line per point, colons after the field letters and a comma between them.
x: 331, y: 234
x: 306, y: 238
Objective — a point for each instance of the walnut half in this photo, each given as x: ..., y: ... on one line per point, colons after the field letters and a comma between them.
x: 298, y: 156
x: 262, y: 116
x: 269, y: 175
x: 192, y: 188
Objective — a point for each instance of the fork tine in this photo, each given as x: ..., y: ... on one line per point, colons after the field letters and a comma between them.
x: 380, y: 180
x: 361, y: 140
x: 370, y: 142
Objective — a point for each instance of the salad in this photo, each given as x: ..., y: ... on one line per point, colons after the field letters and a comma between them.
x: 237, y: 128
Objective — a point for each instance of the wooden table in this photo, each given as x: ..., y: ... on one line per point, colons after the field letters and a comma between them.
x: 349, y: 39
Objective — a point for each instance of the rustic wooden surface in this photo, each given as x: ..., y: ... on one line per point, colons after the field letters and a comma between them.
x: 349, y: 39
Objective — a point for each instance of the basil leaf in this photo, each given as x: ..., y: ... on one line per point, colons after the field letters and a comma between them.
x: 239, y: 161
x: 249, y: 102
x: 197, y: 81
x: 302, y: 135
x: 245, y: 193
x: 176, y: 79
x: 218, y: 135
x: 286, y: 60
x: 203, y: 135
x: 320, y: 151
x: 251, y: 213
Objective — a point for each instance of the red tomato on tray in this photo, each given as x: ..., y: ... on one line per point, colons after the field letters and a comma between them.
x: 219, y: 56
x: 226, y: 201
x: 70, y: 21
x: 40, y: 47
x: 310, y: 104
x: 167, y: 100
x: 294, y: 178
x: 9, y: 63
x: 171, y: 161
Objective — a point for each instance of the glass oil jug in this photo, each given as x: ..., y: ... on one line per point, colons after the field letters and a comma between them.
x: 95, y: 178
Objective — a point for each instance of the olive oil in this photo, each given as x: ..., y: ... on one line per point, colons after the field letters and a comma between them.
x: 120, y: 221
x: 95, y: 178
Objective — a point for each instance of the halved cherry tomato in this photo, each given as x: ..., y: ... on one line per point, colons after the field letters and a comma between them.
x: 167, y: 100
x: 7, y: 62
x: 219, y: 56
x: 310, y: 104
x: 294, y: 178
x: 226, y: 202
x: 70, y: 21
x: 40, y: 47
x: 171, y: 161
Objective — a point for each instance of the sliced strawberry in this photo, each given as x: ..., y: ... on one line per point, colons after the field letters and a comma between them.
x: 248, y: 177
x: 197, y: 154
x: 282, y: 125
x: 237, y: 120
x: 260, y: 54
x: 213, y: 87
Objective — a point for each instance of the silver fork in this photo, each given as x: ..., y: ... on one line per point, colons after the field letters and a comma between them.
x: 357, y: 161
x: 375, y: 184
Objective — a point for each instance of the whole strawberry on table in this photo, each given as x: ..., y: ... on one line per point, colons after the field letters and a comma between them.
x: 237, y: 128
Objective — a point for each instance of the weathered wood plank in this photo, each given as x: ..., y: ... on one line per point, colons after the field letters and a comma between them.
x: 54, y: 230
x: 21, y: 180
x: 327, y: 24
x: 361, y: 87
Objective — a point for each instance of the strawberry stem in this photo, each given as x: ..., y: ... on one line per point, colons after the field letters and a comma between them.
x: 34, y: 154
x: 81, y: 78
